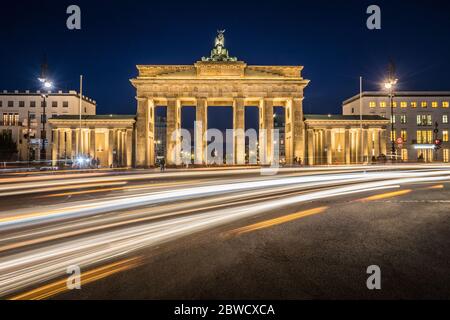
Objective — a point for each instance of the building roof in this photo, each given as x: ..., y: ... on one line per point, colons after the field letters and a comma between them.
x: 96, y: 117
x: 399, y: 94
x: 71, y: 93
x: 343, y: 117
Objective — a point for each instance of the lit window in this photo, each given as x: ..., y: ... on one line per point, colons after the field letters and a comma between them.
x: 404, y: 135
x: 372, y: 104
x: 429, y: 136
x: 403, y: 104
x: 446, y: 154
x: 392, y: 118
x: 394, y: 104
x: 413, y: 104
x: 424, y: 104
x: 429, y: 120
x: 434, y: 104
x: 405, y: 154
x: 383, y: 104
x: 445, y: 135
x: 393, y: 136
x: 419, y: 120
x: 403, y: 119
x: 445, y: 104
x: 445, y: 118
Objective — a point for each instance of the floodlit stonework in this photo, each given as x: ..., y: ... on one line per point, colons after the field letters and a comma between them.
x: 219, y: 82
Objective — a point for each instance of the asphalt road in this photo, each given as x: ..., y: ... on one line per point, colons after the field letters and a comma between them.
x: 227, y: 234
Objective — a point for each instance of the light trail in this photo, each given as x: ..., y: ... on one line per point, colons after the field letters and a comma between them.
x: 60, y: 286
x: 19, y: 270
x: 37, y: 244
x: 277, y: 221
x: 23, y: 217
x: 386, y: 195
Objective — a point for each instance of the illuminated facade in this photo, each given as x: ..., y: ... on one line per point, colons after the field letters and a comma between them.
x: 221, y: 80
x: 417, y: 114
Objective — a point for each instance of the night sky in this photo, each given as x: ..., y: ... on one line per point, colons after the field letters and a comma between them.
x: 329, y: 38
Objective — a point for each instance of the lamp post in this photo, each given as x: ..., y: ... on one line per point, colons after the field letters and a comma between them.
x: 390, y: 86
x: 47, y: 85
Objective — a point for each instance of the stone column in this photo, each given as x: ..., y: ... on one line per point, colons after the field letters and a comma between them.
x: 129, y: 148
x: 55, y: 147
x: 377, y: 143
x: 366, y: 144
x: 172, y: 145
x: 239, y: 131
x: 145, y: 128
x: 262, y: 135
x: 370, y: 143
x: 201, y: 118
x: 347, y: 146
x: 92, y: 150
x: 74, y: 143
x: 269, y: 135
x: 69, y: 144
x: 329, y: 146
x: 110, y: 147
x: 311, y: 146
x: 61, y: 144
x: 298, y: 129
x: 383, y: 142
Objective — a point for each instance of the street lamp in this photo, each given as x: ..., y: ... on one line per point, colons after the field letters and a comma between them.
x: 390, y: 87
x: 47, y: 85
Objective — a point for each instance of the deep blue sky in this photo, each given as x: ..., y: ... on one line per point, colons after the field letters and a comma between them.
x: 329, y: 38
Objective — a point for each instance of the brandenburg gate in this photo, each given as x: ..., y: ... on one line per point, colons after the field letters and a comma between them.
x: 219, y: 80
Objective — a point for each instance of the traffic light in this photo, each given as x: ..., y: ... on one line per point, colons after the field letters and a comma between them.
x: 438, y: 144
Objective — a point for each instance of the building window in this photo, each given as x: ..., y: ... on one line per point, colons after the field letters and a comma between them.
x: 403, y: 119
x: 383, y: 104
x: 21, y: 104
x: 445, y: 104
x: 1, y: 104
x: 43, y: 118
x: 424, y: 136
x: 54, y: 104
x: 10, y: 104
x: 393, y: 136
x: 32, y: 104
x: 413, y: 104
x: 429, y: 136
x: 403, y: 104
x: 372, y: 104
x: 16, y: 119
x: 404, y: 135
x: 445, y: 135
x: 424, y: 120
x: 444, y: 118
x: 424, y: 104
x: 393, y: 118
x: 353, y: 111
x: 5, y: 119
x: 446, y: 154
x: 434, y: 104
x: 394, y: 104
x: 32, y: 116
x: 404, y: 154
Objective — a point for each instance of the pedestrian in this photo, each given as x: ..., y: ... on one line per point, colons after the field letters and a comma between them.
x: 98, y: 163
x: 163, y: 164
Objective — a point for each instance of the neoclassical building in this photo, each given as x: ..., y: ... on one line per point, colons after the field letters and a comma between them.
x: 222, y: 80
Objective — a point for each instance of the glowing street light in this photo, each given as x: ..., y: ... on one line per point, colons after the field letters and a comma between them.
x: 390, y: 86
x: 46, y: 84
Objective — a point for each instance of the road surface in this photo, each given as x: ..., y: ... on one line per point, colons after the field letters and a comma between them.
x: 304, y: 233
